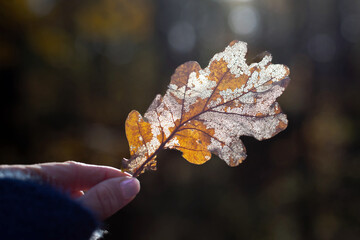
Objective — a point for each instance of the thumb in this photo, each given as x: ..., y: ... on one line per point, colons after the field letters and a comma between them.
x: 107, y: 197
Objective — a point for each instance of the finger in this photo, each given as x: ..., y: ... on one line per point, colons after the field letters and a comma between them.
x: 70, y: 175
x: 109, y: 196
x: 80, y: 176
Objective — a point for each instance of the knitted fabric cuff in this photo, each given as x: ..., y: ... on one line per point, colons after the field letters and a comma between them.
x: 31, y: 209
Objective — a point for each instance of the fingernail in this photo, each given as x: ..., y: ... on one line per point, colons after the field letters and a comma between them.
x: 130, y: 187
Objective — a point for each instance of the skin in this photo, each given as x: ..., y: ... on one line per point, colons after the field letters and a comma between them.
x: 102, y: 189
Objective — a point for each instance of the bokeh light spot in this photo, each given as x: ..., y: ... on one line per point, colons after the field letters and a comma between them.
x: 41, y: 7
x: 350, y: 28
x: 182, y: 37
x: 243, y: 20
x: 322, y: 48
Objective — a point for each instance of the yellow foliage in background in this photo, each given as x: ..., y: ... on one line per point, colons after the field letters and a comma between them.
x: 111, y: 20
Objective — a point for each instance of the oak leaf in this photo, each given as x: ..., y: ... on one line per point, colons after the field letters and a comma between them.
x: 205, y: 111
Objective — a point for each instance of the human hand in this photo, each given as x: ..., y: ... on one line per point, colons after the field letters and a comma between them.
x: 106, y: 189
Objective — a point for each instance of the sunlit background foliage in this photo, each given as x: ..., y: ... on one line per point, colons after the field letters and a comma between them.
x: 71, y: 71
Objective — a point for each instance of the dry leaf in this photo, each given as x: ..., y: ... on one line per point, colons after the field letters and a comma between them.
x: 205, y: 111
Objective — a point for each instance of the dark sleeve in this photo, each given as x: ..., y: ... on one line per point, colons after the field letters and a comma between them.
x: 33, y: 210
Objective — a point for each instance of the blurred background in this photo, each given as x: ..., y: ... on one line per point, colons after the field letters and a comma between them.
x: 71, y: 71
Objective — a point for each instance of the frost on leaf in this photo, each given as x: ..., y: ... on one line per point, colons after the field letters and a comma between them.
x: 205, y: 111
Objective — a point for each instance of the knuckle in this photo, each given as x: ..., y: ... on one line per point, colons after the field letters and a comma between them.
x: 72, y: 163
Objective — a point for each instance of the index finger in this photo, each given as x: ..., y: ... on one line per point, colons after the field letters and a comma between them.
x: 70, y: 175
